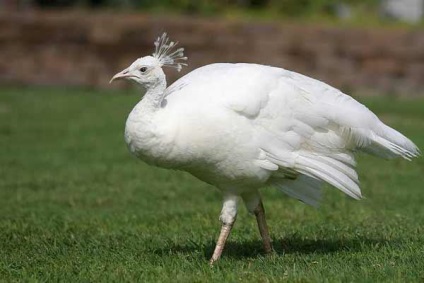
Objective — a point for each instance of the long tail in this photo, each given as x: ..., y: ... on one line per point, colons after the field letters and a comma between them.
x: 338, y: 169
x: 389, y: 143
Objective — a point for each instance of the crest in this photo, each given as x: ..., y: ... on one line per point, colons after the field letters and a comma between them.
x: 167, y: 54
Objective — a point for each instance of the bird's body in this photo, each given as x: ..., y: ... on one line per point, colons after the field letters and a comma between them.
x: 241, y: 127
x: 244, y: 126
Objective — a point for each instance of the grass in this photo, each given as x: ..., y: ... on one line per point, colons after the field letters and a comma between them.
x: 75, y: 206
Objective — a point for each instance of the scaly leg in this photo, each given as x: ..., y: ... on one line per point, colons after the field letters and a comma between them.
x: 225, y: 232
x: 228, y: 217
x: 263, y: 227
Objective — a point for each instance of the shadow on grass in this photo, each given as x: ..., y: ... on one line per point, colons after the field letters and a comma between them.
x: 288, y: 245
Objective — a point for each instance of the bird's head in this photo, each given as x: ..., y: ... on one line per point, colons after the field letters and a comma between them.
x: 147, y: 71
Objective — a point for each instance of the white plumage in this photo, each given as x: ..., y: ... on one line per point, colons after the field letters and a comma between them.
x: 240, y: 127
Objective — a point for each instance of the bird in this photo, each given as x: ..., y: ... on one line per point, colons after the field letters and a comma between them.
x: 242, y: 126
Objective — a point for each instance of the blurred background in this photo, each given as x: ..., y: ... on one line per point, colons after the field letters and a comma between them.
x: 75, y: 206
x: 373, y: 46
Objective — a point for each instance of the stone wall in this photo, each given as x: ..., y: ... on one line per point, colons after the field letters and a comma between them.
x: 87, y: 48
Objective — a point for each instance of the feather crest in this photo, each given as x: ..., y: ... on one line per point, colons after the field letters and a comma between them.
x: 166, y: 53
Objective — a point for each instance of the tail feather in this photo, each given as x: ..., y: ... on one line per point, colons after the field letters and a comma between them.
x: 303, y: 188
x: 312, y: 166
x: 335, y: 169
x: 389, y: 143
x: 343, y: 167
x: 314, y: 163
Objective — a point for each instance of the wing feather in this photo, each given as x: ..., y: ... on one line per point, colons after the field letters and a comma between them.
x: 305, y: 131
x: 322, y: 128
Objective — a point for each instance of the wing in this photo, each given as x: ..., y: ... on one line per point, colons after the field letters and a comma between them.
x: 305, y: 131
x: 314, y: 129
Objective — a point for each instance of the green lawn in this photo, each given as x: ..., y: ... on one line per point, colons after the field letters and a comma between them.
x: 75, y: 206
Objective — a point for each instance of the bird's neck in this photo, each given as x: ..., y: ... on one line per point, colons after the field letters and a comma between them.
x: 143, y: 127
x: 152, y: 99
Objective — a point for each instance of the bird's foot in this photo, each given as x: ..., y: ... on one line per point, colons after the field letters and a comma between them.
x: 269, y: 250
x: 212, y: 261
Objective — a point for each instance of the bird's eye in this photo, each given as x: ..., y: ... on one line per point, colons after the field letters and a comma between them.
x: 143, y: 69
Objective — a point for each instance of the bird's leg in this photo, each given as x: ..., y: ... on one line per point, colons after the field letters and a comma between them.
x: 228, y: 217
x: 225, y: 232
x: 254, y: 205
x: 263, y: 227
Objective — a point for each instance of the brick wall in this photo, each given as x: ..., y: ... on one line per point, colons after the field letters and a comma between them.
x: 86, y: 49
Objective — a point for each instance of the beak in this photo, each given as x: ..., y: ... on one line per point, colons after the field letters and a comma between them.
x: 121, y: 75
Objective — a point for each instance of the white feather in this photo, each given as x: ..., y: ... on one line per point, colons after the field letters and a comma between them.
x: 241, y: 127
x: 303, y: 188
x: 244, y: 126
